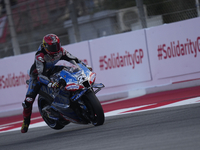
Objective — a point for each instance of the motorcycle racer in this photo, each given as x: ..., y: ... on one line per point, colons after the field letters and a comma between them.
x: 47, y: 55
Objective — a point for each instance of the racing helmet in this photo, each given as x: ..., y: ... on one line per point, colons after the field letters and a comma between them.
x: 51, y: 44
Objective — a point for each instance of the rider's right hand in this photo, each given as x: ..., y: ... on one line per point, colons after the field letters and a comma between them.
x: 53, y: 85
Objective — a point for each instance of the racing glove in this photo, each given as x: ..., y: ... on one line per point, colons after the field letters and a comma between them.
x: 53, y: 85
x: 89, y: 67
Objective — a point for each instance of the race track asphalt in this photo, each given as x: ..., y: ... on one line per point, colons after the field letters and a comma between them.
x: 176, y: 128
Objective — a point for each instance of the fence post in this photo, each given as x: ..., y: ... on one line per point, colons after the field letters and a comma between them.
x: 15, y: 44
x: 197, y: 5
x: 73, y: 16
x: 140, y: 7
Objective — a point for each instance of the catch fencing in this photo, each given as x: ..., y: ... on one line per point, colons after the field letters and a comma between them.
x: 35, y: 18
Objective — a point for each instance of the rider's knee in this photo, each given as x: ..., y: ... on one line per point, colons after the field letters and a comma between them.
x: 27, y: 102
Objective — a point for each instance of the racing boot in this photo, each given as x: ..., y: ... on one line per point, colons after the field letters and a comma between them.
x: 25, y: 125
x: 27, y: 111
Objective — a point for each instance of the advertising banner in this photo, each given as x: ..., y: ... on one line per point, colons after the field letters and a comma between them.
x: 174, y: 49
x: 13, y: 76
x: 121, y: 59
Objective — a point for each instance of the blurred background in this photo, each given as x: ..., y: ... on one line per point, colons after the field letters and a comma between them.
x: 23, y: 23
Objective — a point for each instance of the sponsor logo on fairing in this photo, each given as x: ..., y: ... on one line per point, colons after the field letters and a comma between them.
x: 73, y: 87
x: 92, y: 77
x: 77, y: 96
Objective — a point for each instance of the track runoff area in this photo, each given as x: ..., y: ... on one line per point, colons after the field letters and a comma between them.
x: 147, y: 102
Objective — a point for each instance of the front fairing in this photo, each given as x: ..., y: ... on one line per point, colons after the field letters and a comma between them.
x: 76, y: 76
x: 68, y: 77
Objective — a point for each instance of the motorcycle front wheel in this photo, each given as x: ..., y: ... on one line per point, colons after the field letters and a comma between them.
x: 95, y: 110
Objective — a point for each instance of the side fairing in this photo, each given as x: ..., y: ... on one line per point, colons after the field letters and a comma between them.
x: 59, y: 96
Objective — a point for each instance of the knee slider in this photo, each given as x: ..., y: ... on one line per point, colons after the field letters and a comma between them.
x: 29, y: 99
x: 28, y: 102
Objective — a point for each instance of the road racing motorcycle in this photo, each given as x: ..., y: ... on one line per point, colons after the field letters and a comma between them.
x: 74, y: 101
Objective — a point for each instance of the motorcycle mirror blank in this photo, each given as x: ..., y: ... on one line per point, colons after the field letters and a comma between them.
x: 98, y: 85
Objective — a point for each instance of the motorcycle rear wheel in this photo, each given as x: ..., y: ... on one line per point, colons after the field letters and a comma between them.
x: 54, y: 124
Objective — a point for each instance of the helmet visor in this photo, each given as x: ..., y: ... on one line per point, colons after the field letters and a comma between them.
x: 54, y: 48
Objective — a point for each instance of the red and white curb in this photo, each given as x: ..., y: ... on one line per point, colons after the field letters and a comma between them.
x: 154, y: 106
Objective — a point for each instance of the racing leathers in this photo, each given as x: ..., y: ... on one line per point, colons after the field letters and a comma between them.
x: 42, y: 68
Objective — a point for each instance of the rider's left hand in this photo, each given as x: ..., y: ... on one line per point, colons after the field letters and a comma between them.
x: 90, y: 68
